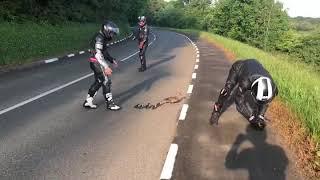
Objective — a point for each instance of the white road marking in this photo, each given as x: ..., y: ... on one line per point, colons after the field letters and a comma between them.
x: 55, y: 89
x: 137, y: 51
x: 196, y: 66
x: 111, y: 43
x: 198, y: 55
x: 197, y: 60
x: 194, y: 75
x: 129, y: 56
x: 81, y: 52
x: 169, y: 163
x: 183, y: 112
x: 51, y: 60
x: 190, y: 88
x: 44, y: 94
x: 70, y: 55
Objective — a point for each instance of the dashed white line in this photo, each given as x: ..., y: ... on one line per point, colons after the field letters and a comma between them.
x: 51, y: 60
x: 194, y: 75
x: 198, y: 55
x: 197, y: 60
x: 55, y: 89
x: 81, y: 52
x: 190, y: 88
x: 70, y: 55
x: 183, y: 112
x: 196, y: 66
x: 169, y: 163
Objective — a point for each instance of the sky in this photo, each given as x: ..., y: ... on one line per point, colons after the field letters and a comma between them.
x: 306, y: 8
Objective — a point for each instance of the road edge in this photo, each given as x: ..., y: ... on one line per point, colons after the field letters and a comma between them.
x: 7, y: 69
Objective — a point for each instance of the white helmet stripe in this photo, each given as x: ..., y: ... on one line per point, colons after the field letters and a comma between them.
x: 264, y: 86
x: 260, y: 93
x: 269, y: 88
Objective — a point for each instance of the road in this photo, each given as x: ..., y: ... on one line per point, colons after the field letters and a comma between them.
x: 53, y: 137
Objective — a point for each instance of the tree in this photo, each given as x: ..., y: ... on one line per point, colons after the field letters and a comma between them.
x: 258, y: 22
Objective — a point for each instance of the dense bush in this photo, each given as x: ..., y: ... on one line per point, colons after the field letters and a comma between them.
x: 57, y: 11
x: 309, y: 50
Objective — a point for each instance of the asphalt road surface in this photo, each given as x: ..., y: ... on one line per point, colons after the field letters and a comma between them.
x: 45, y: 133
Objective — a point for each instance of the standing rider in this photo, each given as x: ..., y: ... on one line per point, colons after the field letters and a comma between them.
x: 100, y: 67
x: 143, y: 38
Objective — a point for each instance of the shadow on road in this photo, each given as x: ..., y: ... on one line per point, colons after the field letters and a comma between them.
x: 142, y: 86
x: 162, y: 61
x: 263, y: 161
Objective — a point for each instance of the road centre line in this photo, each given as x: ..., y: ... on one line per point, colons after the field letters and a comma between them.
x: 55, y: 89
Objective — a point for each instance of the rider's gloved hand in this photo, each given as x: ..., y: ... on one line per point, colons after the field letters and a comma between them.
x: 115, y: 63
x: 141, y: 45
x: 258, y: 122
x: 108, y: 71
x: 214, y: 119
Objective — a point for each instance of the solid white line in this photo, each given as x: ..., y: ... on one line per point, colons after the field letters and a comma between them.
x: 81, y: 52
x: 51, y: 60
x: 129, y: 56
x: 196, y: 66
x: 44, y: 94
x: 183, y: 112
x: 190, y: 88
x: 135, y: 53
x: 194, y: 75
x: 70, y: 55
x: 55, y: 89
x: 169, y: 163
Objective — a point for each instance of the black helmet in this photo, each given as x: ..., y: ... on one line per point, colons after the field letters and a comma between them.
x: 109, y: 29
x: 142, y: 20
x: 261, y: 89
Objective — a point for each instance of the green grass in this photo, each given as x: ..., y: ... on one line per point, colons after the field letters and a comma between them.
x: 22, y: 43
x: 299, y: 84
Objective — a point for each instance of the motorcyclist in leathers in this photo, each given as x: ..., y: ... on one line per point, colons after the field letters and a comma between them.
x: 253, y: 89
x: 100, y: 67
x: 142, y: 35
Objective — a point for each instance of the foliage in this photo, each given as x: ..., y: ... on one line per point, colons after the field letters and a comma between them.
x: 57, y: 11
x: 308, y: 50
x: 305, y: 24
x: 261, y: 23
x: 29, y: 41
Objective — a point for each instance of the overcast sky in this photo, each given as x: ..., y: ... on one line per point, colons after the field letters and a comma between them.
x: 307, y: 8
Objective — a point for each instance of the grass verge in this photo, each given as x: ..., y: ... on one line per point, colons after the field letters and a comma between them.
x: 297, y: 109
x: 23, y: 43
